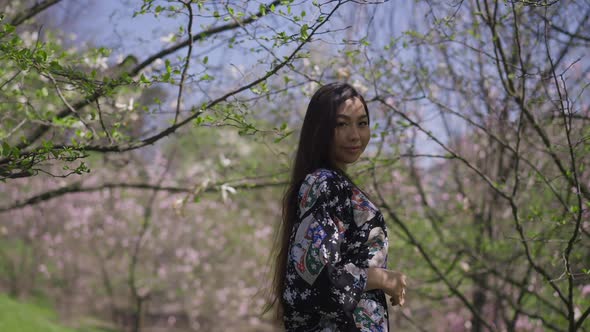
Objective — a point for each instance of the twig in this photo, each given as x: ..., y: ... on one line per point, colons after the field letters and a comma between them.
x: 187, y: 62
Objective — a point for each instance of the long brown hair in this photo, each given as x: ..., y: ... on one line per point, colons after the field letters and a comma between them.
x: 313, y: 152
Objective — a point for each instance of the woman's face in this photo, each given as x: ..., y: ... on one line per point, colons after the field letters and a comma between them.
x: 352, y: 133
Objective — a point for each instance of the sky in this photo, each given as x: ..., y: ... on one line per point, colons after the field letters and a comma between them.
x: 108, y: 23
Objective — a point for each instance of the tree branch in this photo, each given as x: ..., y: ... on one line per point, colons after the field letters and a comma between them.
x: 136, y: 70
x: 173, y: 128
x: 425, y: 255
x: 32, y: 11
x: 78, y: 188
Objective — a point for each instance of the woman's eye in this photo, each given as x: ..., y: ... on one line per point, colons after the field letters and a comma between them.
x: 341, y: 124
x: 364, y: 123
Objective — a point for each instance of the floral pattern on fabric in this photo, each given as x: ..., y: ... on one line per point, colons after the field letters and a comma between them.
x: 306, y: 249
x: 370, y: 316
x: 338, y: 235
x: 363, y: 209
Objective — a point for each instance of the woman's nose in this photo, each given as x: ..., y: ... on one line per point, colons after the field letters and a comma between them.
x: 353, y: 133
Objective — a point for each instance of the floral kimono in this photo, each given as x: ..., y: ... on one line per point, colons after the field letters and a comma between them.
x: 338, y: 235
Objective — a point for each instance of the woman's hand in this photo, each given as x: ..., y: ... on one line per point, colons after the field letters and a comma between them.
x: 393, y: 283
x: 395, y: 286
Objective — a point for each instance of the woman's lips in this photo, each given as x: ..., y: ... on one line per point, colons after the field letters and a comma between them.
x: 353, y: 149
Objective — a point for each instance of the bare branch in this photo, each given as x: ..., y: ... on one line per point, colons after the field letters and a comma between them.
x: 187, y: 60
x: 77, y: 187
x: 33, y: 11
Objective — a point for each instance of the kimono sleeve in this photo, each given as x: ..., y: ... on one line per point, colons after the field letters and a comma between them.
x: 324, y: 209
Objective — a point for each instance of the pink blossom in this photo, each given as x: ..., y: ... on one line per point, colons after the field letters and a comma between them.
x: 523, y: 323
x: 417, y: 198
x: 455, y: 322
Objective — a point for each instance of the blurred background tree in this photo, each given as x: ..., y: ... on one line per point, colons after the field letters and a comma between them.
x: 145, y: 146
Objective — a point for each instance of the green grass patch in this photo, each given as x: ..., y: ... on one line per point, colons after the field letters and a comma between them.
x: 17, y: 316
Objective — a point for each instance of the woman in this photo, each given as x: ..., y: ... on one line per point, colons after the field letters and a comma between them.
x: 332, y: 248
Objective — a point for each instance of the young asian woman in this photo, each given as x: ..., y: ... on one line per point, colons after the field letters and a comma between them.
x: 331, y: 259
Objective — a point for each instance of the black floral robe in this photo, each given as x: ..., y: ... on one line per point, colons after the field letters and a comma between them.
x: 338, y: 235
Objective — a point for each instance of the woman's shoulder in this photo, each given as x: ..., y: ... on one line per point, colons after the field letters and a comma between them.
x: 324, y: 179
x: 326, y: 185
x: 325, y: 175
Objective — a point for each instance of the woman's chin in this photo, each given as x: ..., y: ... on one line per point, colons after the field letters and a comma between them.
x: 351, y: 160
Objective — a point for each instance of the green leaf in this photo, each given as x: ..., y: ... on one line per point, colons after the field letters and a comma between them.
x: 205, y: 60
x: 168, y: 67
x: 8, y: 28
x: 144, y: 79
x: 207, y: 77
x: 48, y: 145
x: 279, y: 139
x: 41, y: 55
x: 304, y: 34
x: 5, y: 149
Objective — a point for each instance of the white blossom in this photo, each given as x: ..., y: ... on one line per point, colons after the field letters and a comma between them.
x: 169, y: 38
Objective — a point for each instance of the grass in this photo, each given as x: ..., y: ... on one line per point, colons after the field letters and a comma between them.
x: 17, y: 316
